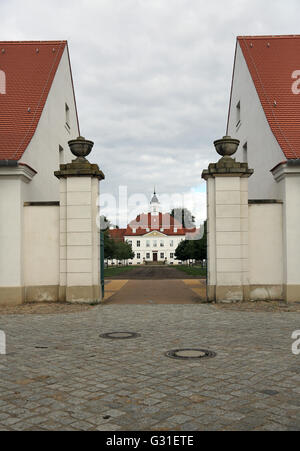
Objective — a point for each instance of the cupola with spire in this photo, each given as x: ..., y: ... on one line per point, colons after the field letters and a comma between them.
x: 154, y: 204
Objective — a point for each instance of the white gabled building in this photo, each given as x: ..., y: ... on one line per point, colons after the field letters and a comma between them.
x: 154, y: 236
x: 264, y: 114
x: 38, y: 117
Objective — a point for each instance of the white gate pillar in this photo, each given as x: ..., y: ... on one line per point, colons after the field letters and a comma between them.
x: 227, y: 225
x: 79, y: 233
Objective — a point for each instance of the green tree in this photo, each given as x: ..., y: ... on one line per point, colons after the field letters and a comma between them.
x: 193, y: 249
x: 109, y: 246
x: 123, y: 251
x: 201, y: 245
x: 184, y: 250
x: 184, y: 216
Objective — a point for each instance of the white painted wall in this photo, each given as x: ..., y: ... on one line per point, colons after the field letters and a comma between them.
x: 292, y: 218
x: 266, y: 248
x: 42, y: 154
x: 11, y: 223
x: 264, y: 151
x: 288, y: 180
x: 41, y: 246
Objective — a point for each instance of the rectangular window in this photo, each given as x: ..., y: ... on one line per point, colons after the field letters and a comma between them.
x: 162, y: 255
x: 171, y: 243
x: 171, y: 255
x: 147, y: 243
x: 148, y: 255
x: 138, y: 256
x: 238, y: 114
x: 67, y: 109
x: 129, y: 242
x: 138, y: 244
x: 162, y: 243
x: 154, y: 243
x: 245, y: 153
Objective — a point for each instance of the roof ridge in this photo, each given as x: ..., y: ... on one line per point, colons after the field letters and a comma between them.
x: 35, y: 42
x: 279, y: 36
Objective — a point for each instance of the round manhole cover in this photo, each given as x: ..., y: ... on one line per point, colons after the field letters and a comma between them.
x: 120, y: 335
x: 190, y: 354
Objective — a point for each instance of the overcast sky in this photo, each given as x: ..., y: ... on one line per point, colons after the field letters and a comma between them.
x: 152, y: 77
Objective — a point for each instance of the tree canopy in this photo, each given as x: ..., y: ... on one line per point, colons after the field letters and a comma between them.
x: 184, y: 216
x: 193, y: 249
x: 118, y: 250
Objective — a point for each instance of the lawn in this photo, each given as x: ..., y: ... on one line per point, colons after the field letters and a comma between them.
x: 192, y: 270
x: 116, y: 270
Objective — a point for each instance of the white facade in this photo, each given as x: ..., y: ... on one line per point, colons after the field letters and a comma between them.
x: 275, y: 177
x: 155, y: 237
x: 49, y: 145
x: 249, y: 124
x: 32, y: 179
x: 154, y: 246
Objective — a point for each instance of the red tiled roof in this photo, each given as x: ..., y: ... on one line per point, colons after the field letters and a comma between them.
x: 152, y: 223
x: 162, y: 220
x: 271, y: 61
x: 29, y: 68
x: 117, y: 234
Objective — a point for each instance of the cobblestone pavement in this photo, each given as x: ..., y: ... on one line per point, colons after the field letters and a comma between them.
x: 84, y: 382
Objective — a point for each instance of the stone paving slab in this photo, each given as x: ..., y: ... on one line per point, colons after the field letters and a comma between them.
x: 83, y: 382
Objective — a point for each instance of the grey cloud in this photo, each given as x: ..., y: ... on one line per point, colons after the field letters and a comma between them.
x: 152, y: 77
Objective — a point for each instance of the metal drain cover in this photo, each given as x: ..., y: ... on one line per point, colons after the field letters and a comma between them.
x: 120, y: 335
x: 190, y: 354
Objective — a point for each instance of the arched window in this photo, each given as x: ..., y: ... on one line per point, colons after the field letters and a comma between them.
x: 2, y: 82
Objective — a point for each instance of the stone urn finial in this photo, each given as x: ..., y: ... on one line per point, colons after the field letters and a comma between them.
x: 226, y: 146
x: 81, y: 148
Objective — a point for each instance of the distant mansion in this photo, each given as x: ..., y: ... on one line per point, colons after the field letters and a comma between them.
x: 154, y: 236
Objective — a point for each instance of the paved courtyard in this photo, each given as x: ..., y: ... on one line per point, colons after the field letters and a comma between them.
x: 60, y: 375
